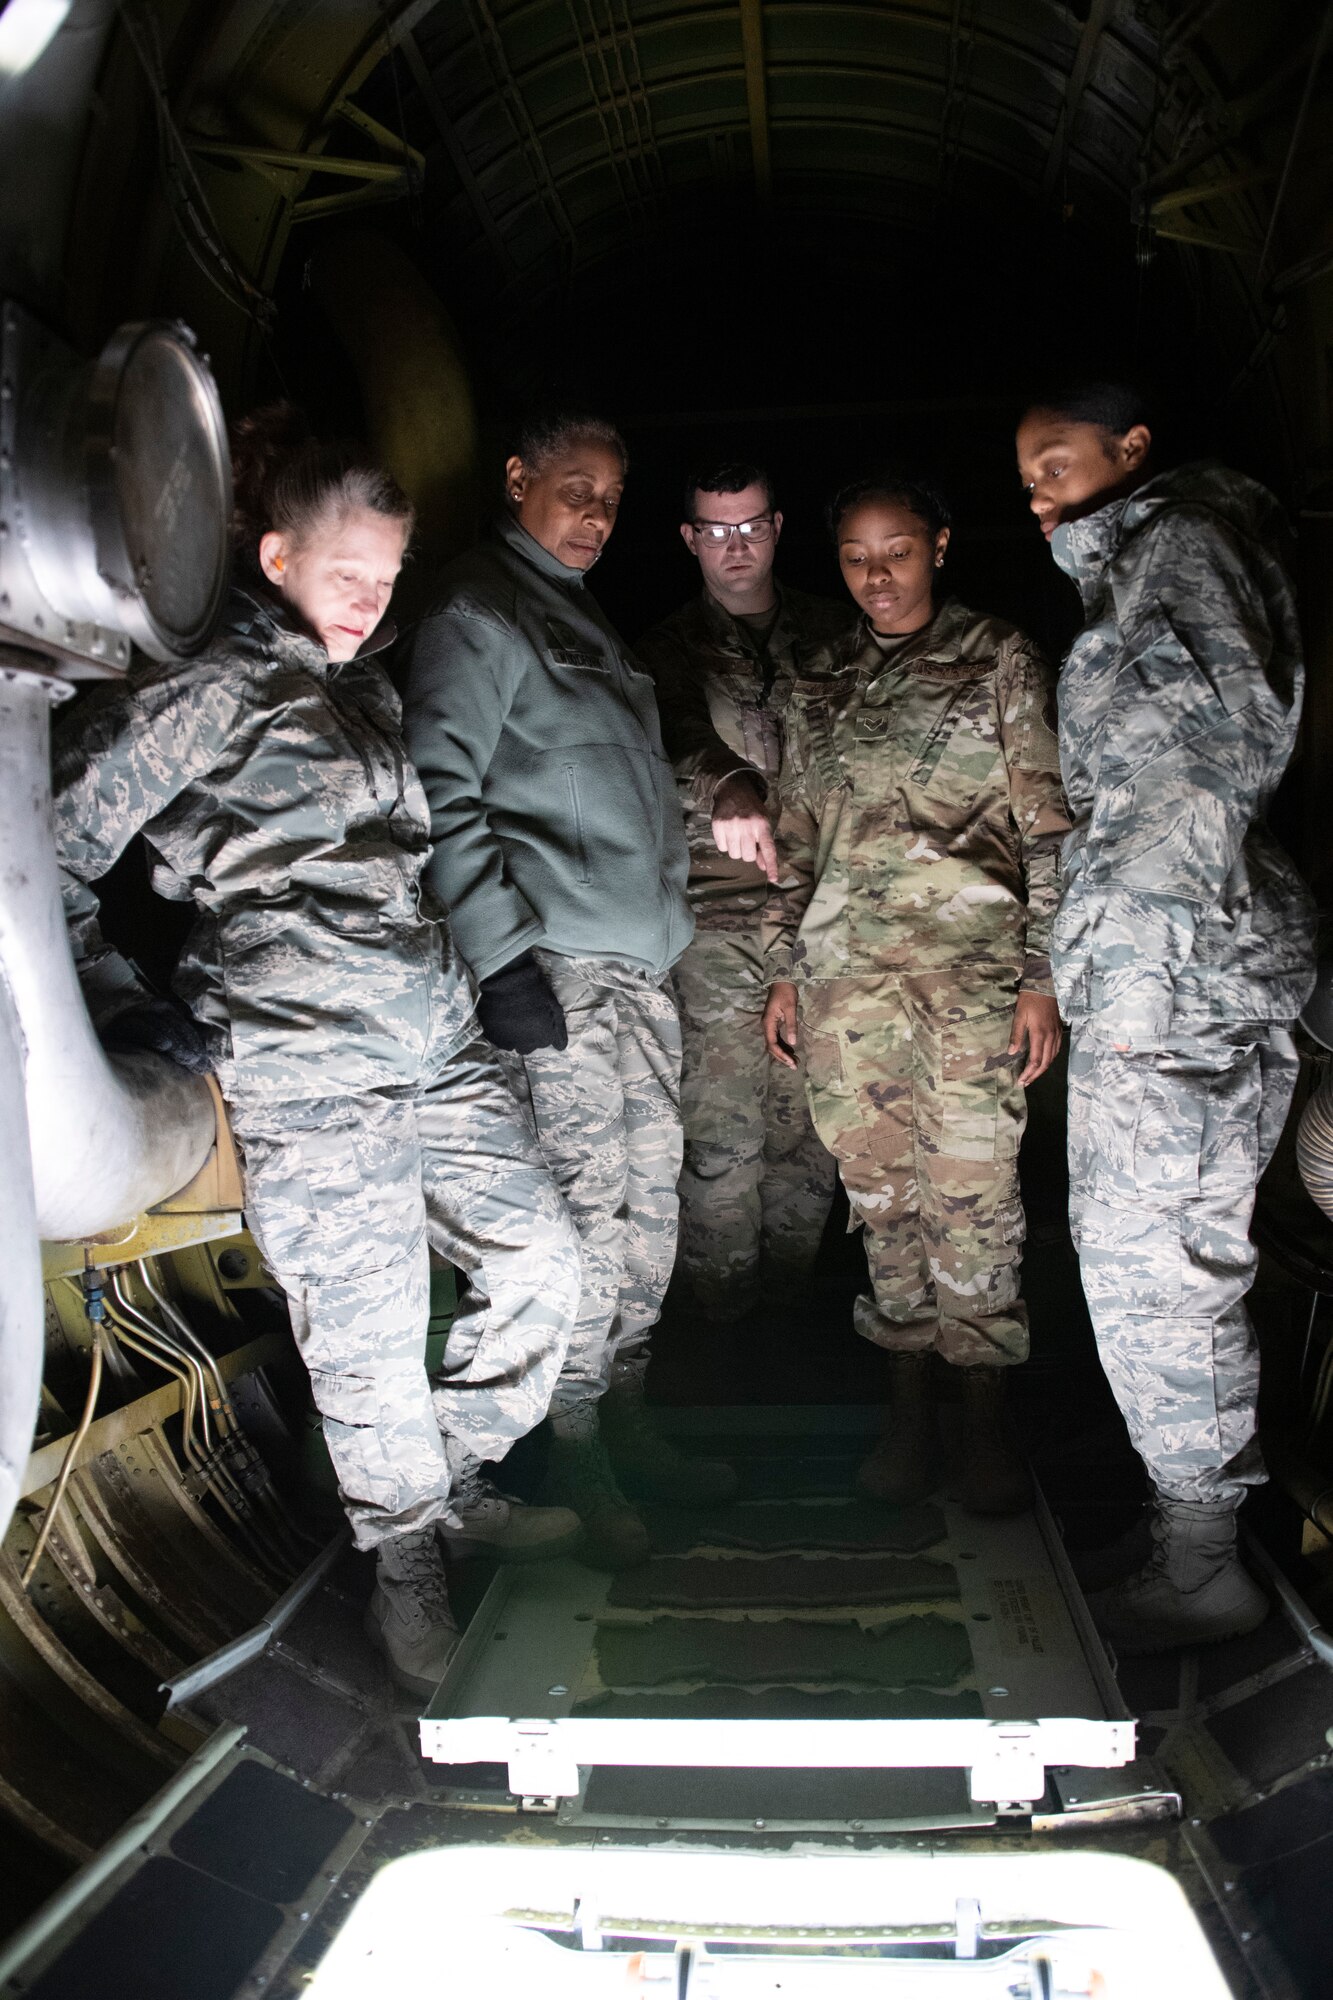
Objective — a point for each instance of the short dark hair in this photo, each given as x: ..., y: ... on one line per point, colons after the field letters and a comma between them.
x: 918, y: 495
x: 733, y: 475
x: 546, y: 432
x: 1111, y: 403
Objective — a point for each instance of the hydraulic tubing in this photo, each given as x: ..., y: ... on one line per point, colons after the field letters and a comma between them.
x: 109, y: 1136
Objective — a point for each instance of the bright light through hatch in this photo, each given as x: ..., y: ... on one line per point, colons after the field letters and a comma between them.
x: 576, y: 1923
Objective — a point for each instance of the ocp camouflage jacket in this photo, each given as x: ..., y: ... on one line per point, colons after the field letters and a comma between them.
x: 274, y: 792
x: 719, y: 717
x: 1179, y: 704
x: 921, y: 812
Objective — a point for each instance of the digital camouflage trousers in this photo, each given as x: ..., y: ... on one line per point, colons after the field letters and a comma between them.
x: 913, y: 1090
x: 344, y: 1195
x: 1165, y: 1150
x: 756, y: 1181
x: 607, y: 1115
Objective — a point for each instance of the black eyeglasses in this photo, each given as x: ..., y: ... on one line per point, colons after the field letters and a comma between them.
x: 717, y: 534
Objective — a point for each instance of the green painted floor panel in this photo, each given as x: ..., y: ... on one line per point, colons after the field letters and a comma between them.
x: 919, y: 1651
x: 802, y: 1581
x: 786, y: 1704
x: 787, y: 1607
x: 802, y: 1798
x: 838, y: 1525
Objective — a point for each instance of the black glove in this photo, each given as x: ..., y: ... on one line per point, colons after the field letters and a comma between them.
x: 518, y: 1010
x: 164, y: 1027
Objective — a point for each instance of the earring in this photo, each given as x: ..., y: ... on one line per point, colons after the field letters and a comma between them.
x: 939, y: 562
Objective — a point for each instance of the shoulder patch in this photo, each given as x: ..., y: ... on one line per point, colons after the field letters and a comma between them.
x: 469, y: 604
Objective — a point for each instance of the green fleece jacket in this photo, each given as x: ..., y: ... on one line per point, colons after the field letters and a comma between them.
x: 554, y: 812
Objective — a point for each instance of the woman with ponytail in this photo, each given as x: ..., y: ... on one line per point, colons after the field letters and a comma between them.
x: 269, y: 779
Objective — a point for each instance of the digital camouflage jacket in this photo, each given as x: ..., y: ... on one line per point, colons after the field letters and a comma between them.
x: 721, y: 706
x: 921, y: 812
x: 274, y: 793
x: 1179, y: 704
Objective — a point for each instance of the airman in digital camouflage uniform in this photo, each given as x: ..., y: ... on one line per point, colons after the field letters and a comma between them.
x: 921, y: 820
x: 756, y: 1181
x: 1182, y: 954
x: 271, y: 783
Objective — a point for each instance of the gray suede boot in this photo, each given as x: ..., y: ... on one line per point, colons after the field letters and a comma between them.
x: 1192, y: 1591
x: 408, y: 1618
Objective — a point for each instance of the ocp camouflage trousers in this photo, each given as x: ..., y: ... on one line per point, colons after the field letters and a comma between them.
x: 756, y: 1178
x: 913, y: 1090
x: 343, y: 1196
x: 1165, y: 1150
x: 607, y: 1115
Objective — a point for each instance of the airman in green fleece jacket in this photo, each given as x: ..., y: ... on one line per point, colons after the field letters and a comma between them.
x: 560, y: 853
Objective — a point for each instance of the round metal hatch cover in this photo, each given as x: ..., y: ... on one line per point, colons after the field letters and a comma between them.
x: 160, y: 479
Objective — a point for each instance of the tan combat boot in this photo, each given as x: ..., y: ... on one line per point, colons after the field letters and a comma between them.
x: 580, y: 1476
x: 995, y: 1476
x: 905, y: 1464
x: 647, y: 1464
x: 1192, y: 1591
x: 408, y: 1618
x: 492, y: 1523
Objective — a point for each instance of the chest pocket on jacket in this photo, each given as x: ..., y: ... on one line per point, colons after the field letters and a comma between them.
x: 960, y: 744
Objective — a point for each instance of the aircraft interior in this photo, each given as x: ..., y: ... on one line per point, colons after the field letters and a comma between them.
x: 812, y: 1743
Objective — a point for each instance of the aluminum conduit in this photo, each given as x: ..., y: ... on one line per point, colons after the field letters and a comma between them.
x: 106, y: 1137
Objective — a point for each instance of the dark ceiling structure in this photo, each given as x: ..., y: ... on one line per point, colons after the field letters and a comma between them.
x: 750, y: 211
x: 525, y: 148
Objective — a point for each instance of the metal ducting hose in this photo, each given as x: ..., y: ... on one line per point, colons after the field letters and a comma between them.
x: 1314, y: 1135
x: 108, y: 1136
x: 115, y: 494
x: 1314, y: 1146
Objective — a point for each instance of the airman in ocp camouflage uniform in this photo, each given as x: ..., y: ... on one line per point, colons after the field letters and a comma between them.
x: 756, y: 1183
x: 374, y: 1122
x: 921, y: 818
x: 1182, y: 953
x: 920, y: 828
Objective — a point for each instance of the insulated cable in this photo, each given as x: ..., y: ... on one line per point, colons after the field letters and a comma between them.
x: 95, y: 1308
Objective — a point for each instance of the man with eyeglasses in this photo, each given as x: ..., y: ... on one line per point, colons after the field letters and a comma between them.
x: 756, y: 1183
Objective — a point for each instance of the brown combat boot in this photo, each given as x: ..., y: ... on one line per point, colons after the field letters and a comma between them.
x: 905, y: 1464
x: 580, y: 1476
x: 647, y: 1465
x: 995, y: 1475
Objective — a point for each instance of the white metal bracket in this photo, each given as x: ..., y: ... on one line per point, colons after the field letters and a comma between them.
x: 541, y: 1771
x: 1007, y: 1762
x: 1010, y: 1769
